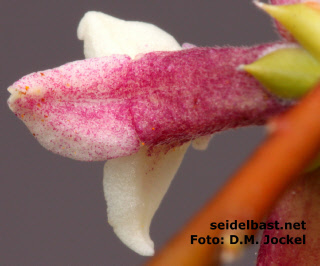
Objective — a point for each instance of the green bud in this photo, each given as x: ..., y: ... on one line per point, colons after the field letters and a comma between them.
x: 301, y: 20
x: 288, y: 72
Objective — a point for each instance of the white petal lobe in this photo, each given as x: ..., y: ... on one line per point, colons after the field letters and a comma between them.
x: 134, y: 187
x: 105, y: 35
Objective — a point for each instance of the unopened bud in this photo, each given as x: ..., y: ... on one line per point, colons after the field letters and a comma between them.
x: 288, y: 72
x: 301, y: 20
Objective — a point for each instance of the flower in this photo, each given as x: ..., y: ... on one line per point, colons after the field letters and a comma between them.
x: 141, y: 109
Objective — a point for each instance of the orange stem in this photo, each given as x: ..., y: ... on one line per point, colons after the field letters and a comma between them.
x: 252, y: 192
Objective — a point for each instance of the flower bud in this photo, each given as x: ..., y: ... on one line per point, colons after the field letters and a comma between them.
x: 301, y: 20
x: 288, y: 73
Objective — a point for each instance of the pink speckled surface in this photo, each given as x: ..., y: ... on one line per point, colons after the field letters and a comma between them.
x: 205, y: 93
x: 300, y: 203
x: 104, y: 108
x: 77, y: 114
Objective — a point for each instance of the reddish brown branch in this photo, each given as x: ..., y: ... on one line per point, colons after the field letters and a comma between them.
x: 252, y: 192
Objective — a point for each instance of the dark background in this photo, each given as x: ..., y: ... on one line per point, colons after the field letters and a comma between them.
x: 52, y: 209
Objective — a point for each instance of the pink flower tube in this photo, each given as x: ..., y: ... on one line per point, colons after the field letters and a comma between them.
x: 104, y: 108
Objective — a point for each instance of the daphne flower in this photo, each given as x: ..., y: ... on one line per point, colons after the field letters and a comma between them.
x: 139, y: 99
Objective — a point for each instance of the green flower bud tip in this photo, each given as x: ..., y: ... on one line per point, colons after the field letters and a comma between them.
x: 287, y: 72
x: 301, y: 20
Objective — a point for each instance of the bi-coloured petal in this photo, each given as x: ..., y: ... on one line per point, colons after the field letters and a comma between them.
x: 77, y: 110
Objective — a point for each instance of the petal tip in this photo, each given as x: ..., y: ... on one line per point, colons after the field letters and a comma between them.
x: 136, y: 240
